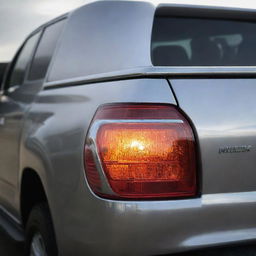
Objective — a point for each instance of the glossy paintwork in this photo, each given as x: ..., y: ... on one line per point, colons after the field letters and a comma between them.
x: 118, y: 33
x: 51, y: 126
x: 55, y: 132
x: 53, y: 144
x: 154, y: 72
x: 223, y: 112
x: 13, y: 107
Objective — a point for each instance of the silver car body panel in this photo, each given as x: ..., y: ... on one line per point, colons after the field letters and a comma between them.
x: 55, y: 118
x: 121, y: 39
x: 227, y: 120
x: 86, y: 223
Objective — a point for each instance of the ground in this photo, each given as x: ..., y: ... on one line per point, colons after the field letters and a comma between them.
x: 9, y: 248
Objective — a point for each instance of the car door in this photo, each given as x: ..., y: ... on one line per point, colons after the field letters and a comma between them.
x: 24, y: 81
x: 13, y: 105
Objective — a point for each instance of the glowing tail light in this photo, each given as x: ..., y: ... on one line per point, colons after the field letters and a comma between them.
x: 139, y: 151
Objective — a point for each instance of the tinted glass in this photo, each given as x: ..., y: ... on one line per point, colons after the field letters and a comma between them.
x: 19, y: 70
x: 203, y: 42
x: 3, y: 67
x: 45, y: 51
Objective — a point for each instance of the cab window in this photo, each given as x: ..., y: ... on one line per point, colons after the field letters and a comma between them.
x: 18, y: 70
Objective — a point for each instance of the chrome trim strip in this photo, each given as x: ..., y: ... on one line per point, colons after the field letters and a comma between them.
x: 156, y: 121
x: 6, y: 212
x: 158, y: 72
x: 229, y: 198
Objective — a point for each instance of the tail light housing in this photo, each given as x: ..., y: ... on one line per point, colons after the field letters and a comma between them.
x: 140, y: 151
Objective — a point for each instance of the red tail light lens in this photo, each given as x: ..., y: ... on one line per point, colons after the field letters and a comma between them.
x: 141, y: 151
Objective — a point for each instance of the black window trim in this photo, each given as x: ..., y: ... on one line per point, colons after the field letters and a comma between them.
x: 202, y: 11
x: 6, y: 82
x: 62, y: 18
x: 4, y: 87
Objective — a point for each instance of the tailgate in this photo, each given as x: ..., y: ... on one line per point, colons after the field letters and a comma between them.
x: 223, y: 112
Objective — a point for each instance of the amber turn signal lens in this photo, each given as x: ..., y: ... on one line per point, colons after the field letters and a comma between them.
x: 147, y: 158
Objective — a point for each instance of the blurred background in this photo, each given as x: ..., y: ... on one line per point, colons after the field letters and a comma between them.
x: 19, y: 18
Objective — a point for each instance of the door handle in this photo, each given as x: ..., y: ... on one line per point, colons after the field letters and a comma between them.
x: 2, y: 121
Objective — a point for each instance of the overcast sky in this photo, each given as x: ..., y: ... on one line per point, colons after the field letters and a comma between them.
x: 19, y: 17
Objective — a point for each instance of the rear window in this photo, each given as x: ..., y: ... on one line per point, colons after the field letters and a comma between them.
x: 178, y: 41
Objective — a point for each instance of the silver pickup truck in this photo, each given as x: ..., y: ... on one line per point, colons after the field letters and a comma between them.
x: 129, y: 128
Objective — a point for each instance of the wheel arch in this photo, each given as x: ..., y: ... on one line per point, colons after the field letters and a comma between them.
x: 32, y: 192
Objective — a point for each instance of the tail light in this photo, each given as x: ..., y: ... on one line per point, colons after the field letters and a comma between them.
x: 140, y: 151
